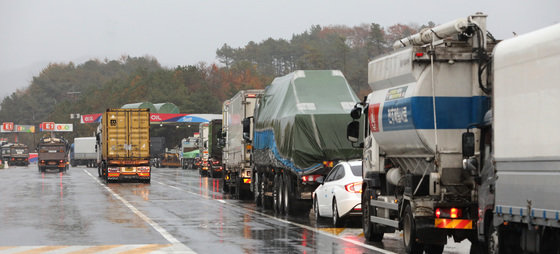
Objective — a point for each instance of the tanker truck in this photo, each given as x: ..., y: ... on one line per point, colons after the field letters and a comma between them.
x: 237, y: 119
x: 425, y: 94
x: 518, y: 165
x: 297, y: 137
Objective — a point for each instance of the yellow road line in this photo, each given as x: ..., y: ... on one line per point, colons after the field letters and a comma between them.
x: 334, y: 231
x: 95, y: 249
x: 43, y: 249
x: 147, y: 249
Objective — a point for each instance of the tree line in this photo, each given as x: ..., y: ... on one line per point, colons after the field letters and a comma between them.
x: 62, y: 89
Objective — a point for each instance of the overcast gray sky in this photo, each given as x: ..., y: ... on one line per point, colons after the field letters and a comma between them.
x: 34, y: 33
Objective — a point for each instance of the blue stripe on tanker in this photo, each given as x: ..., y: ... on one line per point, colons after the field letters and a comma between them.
x: 417, y: 112
x: 265, y: 140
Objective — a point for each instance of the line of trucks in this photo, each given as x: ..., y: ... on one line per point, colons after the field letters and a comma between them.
x: 457, y: 139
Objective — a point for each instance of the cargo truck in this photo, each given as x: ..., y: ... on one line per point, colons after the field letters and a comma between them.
x: 297, y: 137
x: 15, y: 154
x: 238, y: 119
x: 123, y: 145
x: 503, y: 197
x: 157, y: 149
x: 215, y: 166
x: 202, y: 143
x: 519, y: 161
x: 425, y: 94
x: 189, y: 152
x: 82, y: 152
x: 52, y: 153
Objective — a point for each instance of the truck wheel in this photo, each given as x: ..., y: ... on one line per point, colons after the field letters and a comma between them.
x: 237, y: 195
x: 276, y: 195
x: 265, y: 201
x: 370, y: 231
x: 336, y: 220
x: 287, y: 198
x: 256, y: 189
x: 409, y: 232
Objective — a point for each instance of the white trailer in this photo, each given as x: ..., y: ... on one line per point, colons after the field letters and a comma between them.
x: 84, y: 152
x: 520, y: 147
x: 237, y: 116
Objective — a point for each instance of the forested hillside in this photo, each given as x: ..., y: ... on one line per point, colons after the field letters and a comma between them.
x: 62, y: 89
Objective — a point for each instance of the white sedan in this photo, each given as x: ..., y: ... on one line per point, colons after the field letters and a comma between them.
x: 339, y: 195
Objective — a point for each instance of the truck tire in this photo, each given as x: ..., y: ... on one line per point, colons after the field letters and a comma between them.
x: 276, y: 198
x: 256, y: 189
x: 287, y: 197
x: 265, y: 201
x: 369, y: 228
x: 409, y: 232
x: 493, y: 239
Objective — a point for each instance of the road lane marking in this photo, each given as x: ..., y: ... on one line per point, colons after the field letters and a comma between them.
x: 94, y: 249
x: 42, y: 249
x: 145, y: 249
x: 316, y: 230
x: 170, y: 238
x: 109, y: 249
x: 334, y: 231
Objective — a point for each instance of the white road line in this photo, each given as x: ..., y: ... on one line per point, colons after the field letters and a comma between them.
x: 367, y: 246
x: 152, y: 223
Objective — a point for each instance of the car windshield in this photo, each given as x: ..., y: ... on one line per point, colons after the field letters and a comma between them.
x: 356, y: 170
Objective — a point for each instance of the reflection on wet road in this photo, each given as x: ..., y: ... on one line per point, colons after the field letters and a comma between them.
x: 178, y: 212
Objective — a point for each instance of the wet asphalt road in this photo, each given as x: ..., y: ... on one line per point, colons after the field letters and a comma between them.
x: 179, y: 212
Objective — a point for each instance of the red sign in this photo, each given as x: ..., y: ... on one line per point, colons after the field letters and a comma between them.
x: 162, y: 117
x: 47, y: 126
x: 8, y: 126
x: 91, y: 118
x: 374, y: 117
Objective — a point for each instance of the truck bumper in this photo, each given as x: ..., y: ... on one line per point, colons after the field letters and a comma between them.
x: 123, y: 176
x: 435, y: 230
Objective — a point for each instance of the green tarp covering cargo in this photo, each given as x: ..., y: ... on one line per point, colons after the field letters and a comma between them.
x: 301, y: 120
x: 192, y: 154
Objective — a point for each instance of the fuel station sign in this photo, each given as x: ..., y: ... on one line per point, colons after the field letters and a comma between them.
x: 47, y: 126
x: 7, y: 127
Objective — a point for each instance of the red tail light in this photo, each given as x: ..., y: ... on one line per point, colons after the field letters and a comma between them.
x: 452, y: 213
x: 309, y: 178
x: 13, y: 159
x: 354, y: 187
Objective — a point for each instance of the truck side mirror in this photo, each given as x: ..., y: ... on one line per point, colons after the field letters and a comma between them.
x: 356, y: 113
x: 468, y: 144
x: 353, y: 131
